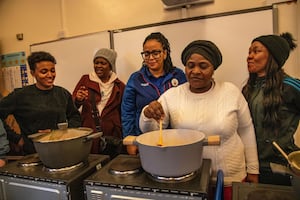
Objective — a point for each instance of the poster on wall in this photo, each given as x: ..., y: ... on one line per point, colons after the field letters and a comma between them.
x: 14, y: 70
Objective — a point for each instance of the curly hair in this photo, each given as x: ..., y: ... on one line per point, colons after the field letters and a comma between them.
x: 168, y: 65
x: 37, y: 57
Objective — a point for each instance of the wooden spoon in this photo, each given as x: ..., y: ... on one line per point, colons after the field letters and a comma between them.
x: 160, y: 141
x: 280, y: 150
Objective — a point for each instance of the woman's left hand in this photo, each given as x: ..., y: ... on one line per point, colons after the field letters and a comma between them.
x: 252, y: 178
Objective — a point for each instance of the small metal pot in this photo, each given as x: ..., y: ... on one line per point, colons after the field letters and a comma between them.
x: 64, y: 148
x: 180, y: 154
x: 294, y: 161
x: 294, y: 158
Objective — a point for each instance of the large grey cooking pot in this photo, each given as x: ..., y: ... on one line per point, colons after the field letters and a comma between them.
x: 180, y: 154
x: 64, y: 148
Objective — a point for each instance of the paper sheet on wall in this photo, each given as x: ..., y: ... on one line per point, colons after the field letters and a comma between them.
x: 14, y: 70
x: 12, y: 77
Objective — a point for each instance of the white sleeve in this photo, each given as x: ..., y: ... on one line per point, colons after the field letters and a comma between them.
x: 147, y: 124
x: 247, y: 134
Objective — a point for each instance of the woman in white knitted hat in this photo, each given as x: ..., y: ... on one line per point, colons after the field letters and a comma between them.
x: 99, y: 95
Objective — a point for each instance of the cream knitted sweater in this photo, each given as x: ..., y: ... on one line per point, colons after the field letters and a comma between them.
x: 220, y: 111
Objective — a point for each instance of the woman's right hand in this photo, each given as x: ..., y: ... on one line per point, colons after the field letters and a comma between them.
x: 82, y: 93
x: 21, y: 143
x: 154, y: 110
x: 2, y: 162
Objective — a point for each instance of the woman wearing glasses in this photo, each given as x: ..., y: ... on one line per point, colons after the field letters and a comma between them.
x: 156, y: 75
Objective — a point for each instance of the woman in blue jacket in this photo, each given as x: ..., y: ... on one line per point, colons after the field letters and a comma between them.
x: 155, y: 77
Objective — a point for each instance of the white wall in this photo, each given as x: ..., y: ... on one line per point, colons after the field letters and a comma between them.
x: 232, y: 34
x: 44, y: 20
x: 289, y: 20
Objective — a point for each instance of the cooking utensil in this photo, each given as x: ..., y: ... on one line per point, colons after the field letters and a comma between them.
x: 61, y: 126
x: 293, y: 158
x: 181, y: 153
x: 280, y: 150
x: 58, y: 150
x: 160, y: 141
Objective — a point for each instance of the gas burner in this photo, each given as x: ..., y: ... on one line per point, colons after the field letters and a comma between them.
x: 64, y: 169
x: 126, y: 166
x: 164, y: 179
x: 30, y: 160
x: 35, y: 183
x: 104, y: 184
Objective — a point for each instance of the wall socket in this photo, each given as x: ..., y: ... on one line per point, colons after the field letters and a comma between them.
x: 19, y: 36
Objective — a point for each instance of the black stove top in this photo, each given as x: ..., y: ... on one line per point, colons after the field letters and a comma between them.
x: 40, y: 173
x: 197, y: 186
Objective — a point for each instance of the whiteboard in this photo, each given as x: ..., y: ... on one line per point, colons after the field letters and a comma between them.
x: 232, y: 33
x: 74, y: 56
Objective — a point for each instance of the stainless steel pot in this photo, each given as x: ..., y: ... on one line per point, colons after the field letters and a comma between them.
x: 64, y: 148
x: 180, y: 154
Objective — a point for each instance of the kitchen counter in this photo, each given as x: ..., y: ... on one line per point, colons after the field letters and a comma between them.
x: 255, y: 191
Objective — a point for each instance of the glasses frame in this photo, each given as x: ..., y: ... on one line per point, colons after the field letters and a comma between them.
x: 156, y: 54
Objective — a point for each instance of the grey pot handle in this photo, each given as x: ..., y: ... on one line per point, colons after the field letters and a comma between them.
x: 93, y: 135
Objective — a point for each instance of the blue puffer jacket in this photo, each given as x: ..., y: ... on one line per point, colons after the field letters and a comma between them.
x: 140, y: 90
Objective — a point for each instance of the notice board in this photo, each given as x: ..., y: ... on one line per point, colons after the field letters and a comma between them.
x: 74, y: 56
x: 231, y: 32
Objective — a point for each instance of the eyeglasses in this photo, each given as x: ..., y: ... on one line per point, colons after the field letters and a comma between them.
x: 155, y: 54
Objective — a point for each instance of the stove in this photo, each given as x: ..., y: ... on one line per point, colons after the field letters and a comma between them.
x: 29, y: 179
x: 107, y: 184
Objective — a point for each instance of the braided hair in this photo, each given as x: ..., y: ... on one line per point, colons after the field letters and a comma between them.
x: 168, y: 65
